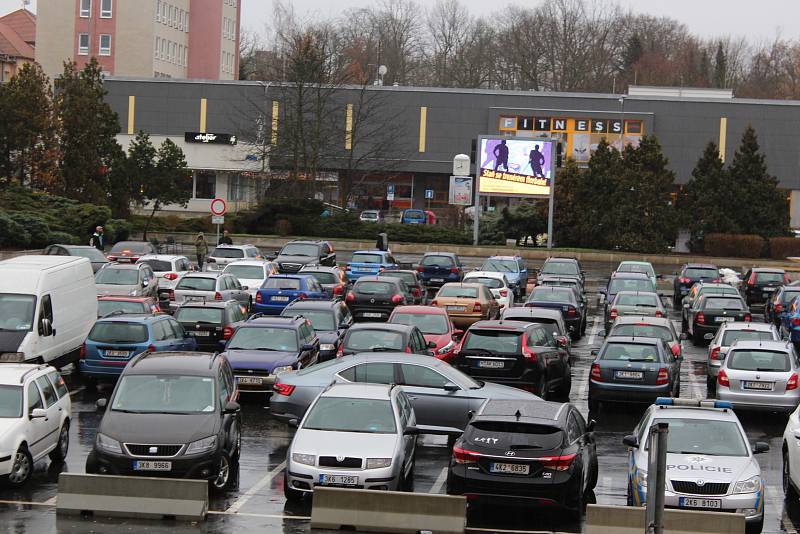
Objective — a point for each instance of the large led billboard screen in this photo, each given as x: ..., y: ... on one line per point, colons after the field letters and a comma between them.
x: 515, y: 167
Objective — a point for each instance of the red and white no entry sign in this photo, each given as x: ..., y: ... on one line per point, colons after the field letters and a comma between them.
x: 218, y: 206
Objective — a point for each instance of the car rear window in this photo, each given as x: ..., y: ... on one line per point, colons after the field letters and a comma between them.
x: 104, y: 307
x: 636, y: 330
x: 499, y: 341
x: 427, y: 323
x: 408, y: 278
x: 228, y: 253
x: 369, y: 340
x: 551, y: 295
x: 648, y: 301
x: 766, y: 278
x: 158, y: 266
x: 635, y: 268
x: 787, y: 295
x: 559, y: 267
x: 758, y: 360
x: 360, y: 257
x: 458, y: 292
x: 321, y: 320
x: 130, y: 246
x: 117, y: 277
x: 731, y: 336
x: 374, y: 288
x: 291, y: 284
x: 501, y: 266
x: 507, y: 435
x: 264, y: 338
x: 699, y: 272
x: 630, y: 284
x: 721, y: 303
x: 118, y: 332
x: 199, y: 315
x: 414, y: 214
x: 246, y: 272
x: 323, y: 277
x: 491, y: 283
x: 437, y: 261
x: 717, y: 291
x: 197, y: 283
x: 630, y: 352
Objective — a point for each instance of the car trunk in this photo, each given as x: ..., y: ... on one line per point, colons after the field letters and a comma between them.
x: 715, y: 317
x: 280, y: 297
x: 480, y: 354
x: 365, y: 269
x: 119, y: 353
x: 642, y: 311
x: 188, y: 295
x: 437, y: 274
x: 204, y: 333
x: 630, y: 372
x: 756, y: 381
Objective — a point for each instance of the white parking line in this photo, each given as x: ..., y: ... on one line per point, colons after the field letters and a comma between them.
x: 269, y: 516
x: 77, y: 390
x: 593, y: 332
x: 695, y: 386
x: 51, y: 501
x: 584, y: 383
x: 241, y: 501
x: 440, y: 480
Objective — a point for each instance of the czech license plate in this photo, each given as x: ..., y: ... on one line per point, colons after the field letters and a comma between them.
x: 338, y: 480
x: 690, y: 502
x: 769, y: 289
x: 630, y: 375
x: 514, y: 469
x: 200, y: 333
x: 490, y: 364
x: 280, y: 299
x: 373, y: 315
x: 118, y: 353
x: 761, y: 386
x: 149, y: 465
x: 725, y: 319
x: 250, y: 380
x: 437, y: 279
x: 454, y: 308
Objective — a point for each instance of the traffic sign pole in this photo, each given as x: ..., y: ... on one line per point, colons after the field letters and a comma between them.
x: 218, y: 209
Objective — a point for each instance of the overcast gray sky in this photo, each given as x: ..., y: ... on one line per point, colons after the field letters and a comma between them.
x: 758, y: 20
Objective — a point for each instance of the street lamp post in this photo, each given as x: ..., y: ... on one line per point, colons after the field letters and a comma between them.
x: 622, y: 123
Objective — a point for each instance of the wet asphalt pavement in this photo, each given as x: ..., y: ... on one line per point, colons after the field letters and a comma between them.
x: 258, y: 503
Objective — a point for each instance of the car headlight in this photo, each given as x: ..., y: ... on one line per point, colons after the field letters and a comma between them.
x: 327, y: 346
x: 282, y: 369
x: 305, y: 459
x: 202, y: 445
x: 108, y: 444
x: 377, y: 463
x: 642, y: 478
x: 447, y: 348
x: 751, y: 485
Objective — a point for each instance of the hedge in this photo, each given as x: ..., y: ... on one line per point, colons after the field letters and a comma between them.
x: 735, y: 245
x: 781, y: 248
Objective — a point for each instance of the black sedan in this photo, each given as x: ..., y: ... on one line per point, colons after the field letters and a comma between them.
x: 210, y: 323
x: 330, y: 319
x: 373, y: 298
x: 419, y: 292
x: 565, y: 299
x: 526, y: 453
x: 707, y: 313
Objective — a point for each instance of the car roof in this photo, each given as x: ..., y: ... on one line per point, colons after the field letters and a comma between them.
x: 131, y: 318
x: 529, y: 410
x: 370, y: 251
x: 542, y: 313
x: 278, y: 321
x: 503, y: 324
x: 700, y: 266
x: 120, y: 298
x: 124, y: 266
x: 202, y: 303
x: 311, y: 241
x: 634, y: 340
x: 249, y: 261
x: 768, y: 270
x: 781, y: 346
x: 448, y: 254
x: 484, y: 274
x: 629, y: 276
x: 68, y: 247
x: 635, y: 262
x: 743, y: 325
x: 721, y: 285
x: 358, y: 391
x: 561, y: 260
x: 376, y: 279
x: 204, y: 274
x: 463, y: 284
x: 404, y: 357
x: 401, y: 271
x: 244, y: 245
x: 173, y: 363
x: 421, y: 310
x: 635, y: 319
x: 647, y: 293
x: 389, y: 327
x: 318, y: 268
x: 554, y: 288
x: 308, y: 304
x: 11, y: 374
x: 692, y: 412
x: 503, y: 258
x: 162, y: 257
x: 291, y: 276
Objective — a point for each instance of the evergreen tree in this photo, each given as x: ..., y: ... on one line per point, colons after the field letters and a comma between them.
x: 129, y: 173
x: 565, y: 220
x: 720, y: 68
x: 597, y: 187
x: 169, y: 183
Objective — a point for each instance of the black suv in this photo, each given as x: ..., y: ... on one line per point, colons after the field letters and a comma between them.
x: 330, y: 320
x: 759, y: 284
x: 297, y: 254
x: 210, y: 323
x: 690, y: 274
x: 172, y: 414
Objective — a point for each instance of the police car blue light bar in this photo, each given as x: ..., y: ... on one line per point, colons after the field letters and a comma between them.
x: 693, y: 403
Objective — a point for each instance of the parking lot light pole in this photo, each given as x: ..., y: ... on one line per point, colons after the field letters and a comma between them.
x: 656, y: 478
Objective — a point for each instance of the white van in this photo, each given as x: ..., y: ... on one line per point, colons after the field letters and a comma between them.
x: 48, y: 304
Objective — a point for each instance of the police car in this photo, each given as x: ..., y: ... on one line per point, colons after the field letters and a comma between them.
x: 710, y: 464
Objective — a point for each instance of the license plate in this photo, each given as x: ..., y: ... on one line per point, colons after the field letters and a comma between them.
x: 200, y: 333
x: 338, y: 480
x: 689, y: 502
x: 149, y: 465
x: 250, y: 380
x: 490, y: 364
x: 630, y: 375
x: 118, y: 353
x: 373, y: 315
x: 514, y: 469
x: 769, y: 289
x: 280, y: 299
x: 725, y: 319
x: 437, y: 279
x: 762, y: 386
x: 454, y: 308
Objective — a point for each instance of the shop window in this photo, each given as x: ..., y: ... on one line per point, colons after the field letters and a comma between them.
x: 205, y: 184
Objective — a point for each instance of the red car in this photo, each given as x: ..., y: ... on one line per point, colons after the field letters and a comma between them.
x: 435, y: 325
x: 145, y: 305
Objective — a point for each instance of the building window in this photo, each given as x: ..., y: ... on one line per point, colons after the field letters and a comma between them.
x: 163, y: 47
x: 158, y: 44
x: 174, y: 52
x: 186, y: 56
x: 180, y: 20
x: 105, y: 44
x: 105, y: 8
x: 83, y: 44
x: 86, y: 8
x: 164, y: 18
x: 158, y: 11
x: 205, y: 184
x: 186, y: 26
x: 175, y: 18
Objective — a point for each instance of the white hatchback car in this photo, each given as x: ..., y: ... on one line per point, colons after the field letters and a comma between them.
x: 35, y: 410
x: 497, y: 284
x: 251, y: 273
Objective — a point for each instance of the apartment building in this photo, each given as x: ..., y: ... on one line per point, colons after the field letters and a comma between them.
x: 144, y: 38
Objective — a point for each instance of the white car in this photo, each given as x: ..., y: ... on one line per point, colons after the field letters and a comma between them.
x: 35, y: 411
x: 222, y: 255
x: 251, y: 273
x: 791, y: 457
x: 168, y: 268
x: 497, y: 284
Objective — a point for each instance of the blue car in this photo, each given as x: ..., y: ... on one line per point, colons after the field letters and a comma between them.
x: 515, y: 270
x: 438, y: 268
x: 413, y: 216
x: 114, y: 340
x: 265, y: 346
x: 790, y: 322
x: 278, y: 290
x: 370, y: 263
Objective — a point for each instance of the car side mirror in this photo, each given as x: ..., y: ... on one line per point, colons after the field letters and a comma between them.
x: 245, y: 288
x: 470, y: 414
x: 307, y: 347
x: 631, y: 441
x: 561, y: 342
x: 451, y: 387
x: 294, y: 423
x: 595, y: 352
x: 761, y: 447
x: 38, y: 413
x: 411, y: 431
x: 344, y: 326
x: 47, y: 327
x: 232, y: 407
x: 431, y: 344
x: 100, y: 404
x: 458, y: 334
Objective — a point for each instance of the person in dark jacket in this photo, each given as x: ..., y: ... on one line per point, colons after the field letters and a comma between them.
x: 225, y: 239
x: 98, y: 240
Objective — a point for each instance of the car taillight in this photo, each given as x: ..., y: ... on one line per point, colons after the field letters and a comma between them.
x: 572, y: 312
x: 792, y: 382
x: 282, y: 389
x: 795, y: 321
x: 752, y: 280
x: 557, y: 463
x: 302, y: 296
x: 434, y: 303
x: 408, y: 350
x: 663, y: 377
x: 722, y: 379
x: 715, y: 354
x: 748, y: 318
x: 171, y: 294
x: 151, y: 348
x: 596, y: 376
x: 476, y: 307
x: 350, y: 297
x: 503, y: 292
x: 528, y: 353
x: 340, y: 351
x: 454, y: 270
x: 420, y: 269
x: 83, y: 351
x: 397, y: 299
x: 258, y: 298
x: 676, y: 350
x: 779, y: 307
x: 613, y: 313
x: 338, y: 290
x: 217, y: 296
x: 684, y: 280
x: 171, y: 276
x: 464, y: 456
x: 659, y: 314
x: 227, y: 332
x: 700, y: 318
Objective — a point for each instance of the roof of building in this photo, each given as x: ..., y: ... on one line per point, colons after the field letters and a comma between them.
x: 13, y: 45
x: 23, y: 23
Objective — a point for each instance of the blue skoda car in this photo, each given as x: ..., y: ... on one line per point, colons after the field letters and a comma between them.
x: 279, y: 290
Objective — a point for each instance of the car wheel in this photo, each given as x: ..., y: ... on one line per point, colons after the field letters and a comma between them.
x: 21, y: 468
x: 697, y: 339
x: 576, y: 514
x: 594, y: 406
x: 756, y: 528
x: 290, y: 493
x: 59, y: 454
x: 789, y: 493
x: 224, y: 476
x: 711, y: 386
x: 566, y: 385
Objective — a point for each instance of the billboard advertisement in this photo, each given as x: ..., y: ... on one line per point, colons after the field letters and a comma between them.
x: 461, y: 190
x: 515, y: 167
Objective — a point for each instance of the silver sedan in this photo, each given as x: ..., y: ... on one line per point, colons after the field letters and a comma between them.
x: 209, y: 286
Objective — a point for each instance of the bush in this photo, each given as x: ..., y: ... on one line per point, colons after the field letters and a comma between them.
x: 12, y: 234
x: 781, y: 248
x: 117, y: 230
x: 194, y: 225
x: 63, y: 238
x: 36, y: 227
x: 735, y: 245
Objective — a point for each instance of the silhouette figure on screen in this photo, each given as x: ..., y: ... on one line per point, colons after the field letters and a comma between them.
x: 536, y: 160
x: 501, y: 155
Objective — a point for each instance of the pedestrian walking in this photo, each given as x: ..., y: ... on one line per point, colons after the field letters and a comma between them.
x: 98, y: 239
x: 225, y: 239
x: 201, y: 248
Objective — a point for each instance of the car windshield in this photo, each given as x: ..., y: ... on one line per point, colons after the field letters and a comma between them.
x: 551, y: 295
x: 500, y: 266
x: 428, y: 323
x: 362, y: 257
x: 10, y: 402
x: 705, y: 290
x: 437, y: 261
x: 642, y: 330
x: 89, y: 252
x: 298, y: 249
x: 708, y: 437
x: 491, y: 283
x: 414, y: 214
x: 338, y: 414
x: 721, y: 303
x: 458, y: 292
x: 496, y: 341
x: 117, y: 277
x: 373, y: 288
x: 197, y: 283
x: 291, y: 284
x: 630, y: 284
x: 759, y: 360
x: 767, y: 278
x: 323, y: 277
x: 560, y: 267
x: 104, y: 307
x: 624, y: 352
x: 647, y: 301
x: 246, y: 272
x: 158, y: 266
x: 321, y: 320
x: 118, y: 332
x: 164, y: 394
x: 697, y: 272
x: 731, y: 336
x: 788, y: 295
x: 369, y: 214
x: 369, y: 340
x: 264, y: 338
x: 560, y: 283
x: 636, y: 268
x: 221, y: 252
x: 197, y: 314
x: 511, y: 435
x: 134, y: 247
x: 408, y: 278
x: 16, y: 311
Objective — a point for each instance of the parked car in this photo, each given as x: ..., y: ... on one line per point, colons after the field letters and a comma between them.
x: 624, y: 282
x: 41, y: 296
x: 126, y: 280
x: 643, y: 267
x: 760, y: 283
x: 280, y: 289
x: 171, y: 415
x: 562, y: 281
x: 727, y: 335
x: 435, y: 325
x: 564, y: 299
x: 633, y: 369
x: 497, y: 283
x: 689, y: 275
x: 563, y: 267
x: 373, y: 298
x: 414, y: 216
x: 467, y: 304
x: 211, y: 323
x: 36, y: 410
x: 419, y: 293
x: 513, y: 268
x: 115, y: 340
x: 264, y: 347
x: 296, y: 254
x: 552, y: 318
x: 208, y: 286
x: 698, y: 290
x: 760, y: 375
x: 330, y: 320
x: 167, y: 269
x: 526, y: 453
x: 251, y: 273
x: 222, y: 255
x: 130, y: 251
x: 438, y: 268
x: 332, y: 279
x: 777, y: 305
x: 127, y: 305
x: 523, y: 355
x: 369, y: 263
x: 634, y: 303
x: 648, y: 326
x: 384, y: 337
x: 362, y: 436
x: 708, y: 312
x: 371, y: 216
x: 97, y: 258
x: 791, y: 458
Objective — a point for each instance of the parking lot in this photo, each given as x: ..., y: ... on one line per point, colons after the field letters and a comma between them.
x: 258, y: 503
